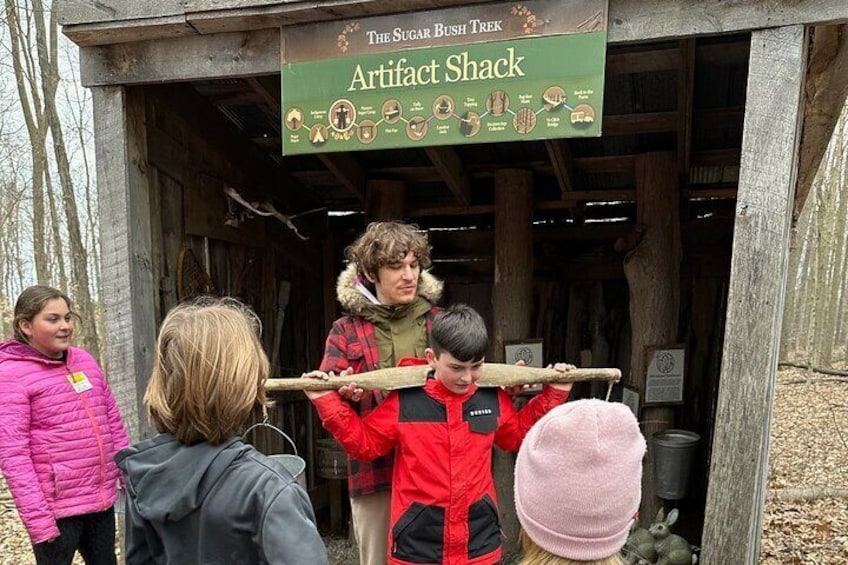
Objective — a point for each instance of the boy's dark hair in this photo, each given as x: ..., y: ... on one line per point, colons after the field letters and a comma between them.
x: 460, y: 331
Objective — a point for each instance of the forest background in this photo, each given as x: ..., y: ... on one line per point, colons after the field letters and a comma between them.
x: 49, y: 219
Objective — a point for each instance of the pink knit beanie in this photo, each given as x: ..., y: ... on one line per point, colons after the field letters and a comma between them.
x: 578, y: 479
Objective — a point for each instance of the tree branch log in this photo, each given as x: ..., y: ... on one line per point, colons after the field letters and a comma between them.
x: 822, y: 370
x: 494, y: 374
x: 806, y: 494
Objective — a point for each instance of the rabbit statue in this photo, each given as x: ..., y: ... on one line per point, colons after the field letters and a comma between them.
x: 671, y: 549
x: 639, y: 549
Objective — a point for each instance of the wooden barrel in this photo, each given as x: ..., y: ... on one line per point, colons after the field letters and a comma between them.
x: 332, y: 460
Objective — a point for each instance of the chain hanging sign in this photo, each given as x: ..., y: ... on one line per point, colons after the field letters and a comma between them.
x: 471, y: 74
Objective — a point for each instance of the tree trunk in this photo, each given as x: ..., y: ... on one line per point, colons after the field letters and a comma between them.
x: 58, y: 253
x: 653, y: 275
x: 36, y: 130
x: 48, y: 65
x: 512, y: 299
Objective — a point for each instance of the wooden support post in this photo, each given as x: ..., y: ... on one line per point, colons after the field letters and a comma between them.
x: 739, y: 464
x: 653, y: 275
x: 129, y: 295
x: 128, y: 289
x: 512, y: 300
x: 384, y: 200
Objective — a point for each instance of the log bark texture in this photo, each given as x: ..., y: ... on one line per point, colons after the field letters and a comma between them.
x: 653, y: 275
x: 494, y: 374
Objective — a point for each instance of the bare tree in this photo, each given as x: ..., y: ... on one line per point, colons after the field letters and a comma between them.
x: 30, y: 103
x: 56, y: 224
x: 814, y: 331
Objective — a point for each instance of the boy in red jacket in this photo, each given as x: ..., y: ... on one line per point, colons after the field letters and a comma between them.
x: 444, y: 506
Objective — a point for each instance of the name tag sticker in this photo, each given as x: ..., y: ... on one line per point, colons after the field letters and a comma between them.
x: 79, y: 381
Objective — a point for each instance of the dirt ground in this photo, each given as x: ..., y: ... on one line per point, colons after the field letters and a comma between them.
x: 808, y: 460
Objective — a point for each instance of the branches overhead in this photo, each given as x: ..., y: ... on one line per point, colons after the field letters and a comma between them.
x: 60, y: 230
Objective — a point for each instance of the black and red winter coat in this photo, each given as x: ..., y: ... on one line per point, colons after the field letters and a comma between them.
x: 444, y: 506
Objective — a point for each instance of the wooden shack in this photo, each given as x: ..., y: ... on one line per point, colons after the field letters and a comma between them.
x: 670, y: 230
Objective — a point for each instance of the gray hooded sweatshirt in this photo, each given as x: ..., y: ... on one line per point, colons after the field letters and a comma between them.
x: 214, y: 504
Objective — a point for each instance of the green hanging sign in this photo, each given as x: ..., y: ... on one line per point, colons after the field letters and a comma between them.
x: 477, y: 74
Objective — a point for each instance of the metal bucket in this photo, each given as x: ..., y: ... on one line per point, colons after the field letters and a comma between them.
x: 294, y: 464
x: 674, y: 453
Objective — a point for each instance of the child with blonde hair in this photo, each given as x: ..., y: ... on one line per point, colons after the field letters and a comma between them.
x: 196, y: 492
x: 578, y: 479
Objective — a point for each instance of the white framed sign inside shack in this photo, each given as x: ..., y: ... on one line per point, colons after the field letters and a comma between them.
x: 665, y: 368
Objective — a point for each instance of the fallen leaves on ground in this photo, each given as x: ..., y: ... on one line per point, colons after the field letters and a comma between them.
x: 809, y: 448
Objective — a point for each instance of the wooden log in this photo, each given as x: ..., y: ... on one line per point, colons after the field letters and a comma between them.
x: 805, y: 494
x: 512, y: 304
x: 494, y: 374
x: 823, y: 370
x: 653, y: 277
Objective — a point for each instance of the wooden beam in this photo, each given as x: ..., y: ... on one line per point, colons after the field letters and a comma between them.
x: 450, y: 169
x: 685, y: 90
x: 739, y: 462
x: 130, y: 31
x: 695, y: 192
x: 182, y: 58
x: 347, y: 171
x: 644, y: 122
x: 605, y: 195
x: 344, y: 167
x: 215, y: 16
x: 91, y: 11
x: 824, y: 100
x: 560, y: 155
x: 129, y: 295
x: 635, y: 21
x: 644, y: 61
x: 268, y: 88
x: 630, y: 21
x: 423, y: 211
x: 385, y: 200
x: 622, y: 164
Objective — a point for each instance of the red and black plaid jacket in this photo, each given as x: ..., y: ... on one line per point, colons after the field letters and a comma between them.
x: 352, y: 343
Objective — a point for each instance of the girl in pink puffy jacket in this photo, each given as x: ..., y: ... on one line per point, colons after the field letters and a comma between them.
x: 59, y: 430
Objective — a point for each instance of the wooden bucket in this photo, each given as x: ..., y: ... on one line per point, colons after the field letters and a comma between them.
x: 331, y: 459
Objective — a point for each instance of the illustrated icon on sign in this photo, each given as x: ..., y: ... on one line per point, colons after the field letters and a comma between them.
x: 523, y: 354
x: 342, y: 115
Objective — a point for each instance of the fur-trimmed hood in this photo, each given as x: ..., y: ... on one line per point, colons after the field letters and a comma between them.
x: 353, y: 301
